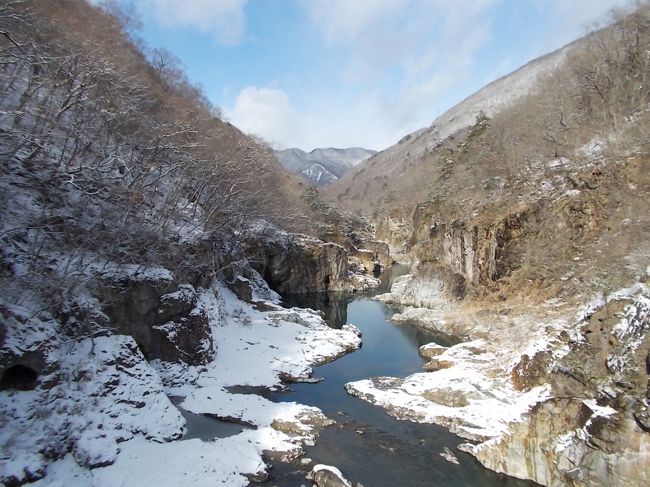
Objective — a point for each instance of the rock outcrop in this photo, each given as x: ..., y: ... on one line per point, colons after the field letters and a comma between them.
x: 372, y: 256
x: 581, y: 389
x: 465, y: 253
x: 299, y: 264
x: 602, y: 440
x: 328, y: 476
x: 162, y: 316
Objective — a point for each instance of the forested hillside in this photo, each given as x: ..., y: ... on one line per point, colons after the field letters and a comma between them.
x: 574, y: 149
x: 137, y: 228
x: 527, y: 229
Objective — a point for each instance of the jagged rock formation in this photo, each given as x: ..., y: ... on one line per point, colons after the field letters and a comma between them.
x: 322, y: 166
x: 571, y: 440
x: 299, y: 264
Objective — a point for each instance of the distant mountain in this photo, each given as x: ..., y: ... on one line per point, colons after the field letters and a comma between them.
x: 322, y: 166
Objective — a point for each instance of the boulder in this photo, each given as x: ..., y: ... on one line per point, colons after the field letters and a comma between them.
x: 242, y: 288
x: 431, y: 350
x: 328, y: 476
x: 437, y: 364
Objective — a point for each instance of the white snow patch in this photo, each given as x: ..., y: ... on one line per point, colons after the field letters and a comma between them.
x: 113, y: 406
x: 462, y: 397
x: 599, y: 411
x: 329, y: 468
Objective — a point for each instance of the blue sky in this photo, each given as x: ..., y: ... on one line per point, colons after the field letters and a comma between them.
x: 343, y: 73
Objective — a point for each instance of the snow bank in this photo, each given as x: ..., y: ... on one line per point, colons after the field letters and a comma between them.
x: 112, y: 407
x: 462, y: 395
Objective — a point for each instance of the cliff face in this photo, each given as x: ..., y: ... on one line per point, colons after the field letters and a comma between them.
x: 601, y: 440
x: 480, y: 274
x: 299, y: 264
x: 471, y: 254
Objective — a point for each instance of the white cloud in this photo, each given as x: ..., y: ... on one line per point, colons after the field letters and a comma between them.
x: 404, y: 60
x: 267, y: 113
x: 225, y: 20
x: 404, y: 53
x: 348, y: 20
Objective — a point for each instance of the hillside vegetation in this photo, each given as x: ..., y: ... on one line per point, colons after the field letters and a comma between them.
x: 557, y: 179
x: 136, y: 230
x: 527, y: 230
x: 110, y: 157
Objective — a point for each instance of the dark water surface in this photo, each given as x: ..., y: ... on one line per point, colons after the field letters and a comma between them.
x: 368, y: 445
x: 205, y: 427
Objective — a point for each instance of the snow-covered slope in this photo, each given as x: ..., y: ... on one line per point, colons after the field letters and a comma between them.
x: 322, y: 166
x: 489, y: 100
x: 500, y: 93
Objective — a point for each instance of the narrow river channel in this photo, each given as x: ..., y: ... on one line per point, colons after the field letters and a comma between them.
x: 368, y: 445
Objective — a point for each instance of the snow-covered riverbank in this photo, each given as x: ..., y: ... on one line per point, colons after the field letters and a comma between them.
x: 525, y: 389
x: 125, y: 426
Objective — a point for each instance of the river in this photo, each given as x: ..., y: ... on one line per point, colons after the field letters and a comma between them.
x: 367, y: 445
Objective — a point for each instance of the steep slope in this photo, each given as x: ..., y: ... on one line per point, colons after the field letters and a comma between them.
x: 129, y: 214
x: 386, y: 172
x: 528, y: 234
x: 322, y: 166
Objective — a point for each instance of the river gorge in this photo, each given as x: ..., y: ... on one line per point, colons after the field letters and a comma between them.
x: 368, y: 445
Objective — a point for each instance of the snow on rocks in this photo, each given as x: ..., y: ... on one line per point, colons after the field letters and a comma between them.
x: 254, y: 410
x: 109, y: 407
x: 468, y: 387
x: 105, y: 393
x: 328, y: 476
x: 448, y: 455
x: 462, y: 395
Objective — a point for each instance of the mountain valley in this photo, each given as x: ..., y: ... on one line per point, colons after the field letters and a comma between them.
x: 158, y: 263
x: 322, y: 166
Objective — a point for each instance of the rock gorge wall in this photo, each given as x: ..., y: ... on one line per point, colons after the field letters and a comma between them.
x: 299, y: 264
x: 595, y: 429
x: 479, y: 271
x: 464, y: 257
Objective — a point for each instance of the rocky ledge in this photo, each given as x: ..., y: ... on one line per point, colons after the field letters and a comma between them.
x: 557, y: 394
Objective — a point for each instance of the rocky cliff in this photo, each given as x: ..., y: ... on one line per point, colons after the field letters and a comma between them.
x: 299, y: 264
x: 528, y: 239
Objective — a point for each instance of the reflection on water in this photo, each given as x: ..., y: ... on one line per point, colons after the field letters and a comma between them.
x: 205, y: 427
x: 367, y: 444
x: 333, y: 306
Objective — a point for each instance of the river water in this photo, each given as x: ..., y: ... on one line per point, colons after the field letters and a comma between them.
x: 368, y: 445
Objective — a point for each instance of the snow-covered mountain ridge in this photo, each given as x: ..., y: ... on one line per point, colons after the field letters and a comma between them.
x: 322, y: 166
